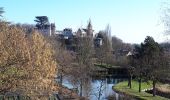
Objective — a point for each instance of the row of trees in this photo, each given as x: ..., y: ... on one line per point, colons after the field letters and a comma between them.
x: 112, y: 51
x: 148, y: 62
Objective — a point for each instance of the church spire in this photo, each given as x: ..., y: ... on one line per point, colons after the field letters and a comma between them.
x: 89, y: 29
x: 89, y: 24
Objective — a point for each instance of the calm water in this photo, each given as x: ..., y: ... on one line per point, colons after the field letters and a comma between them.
x: 92, y: 91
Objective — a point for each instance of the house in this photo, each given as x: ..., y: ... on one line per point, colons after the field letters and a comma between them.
x: 67, y: 33
x: 81, y: 32
x: 98, y: 40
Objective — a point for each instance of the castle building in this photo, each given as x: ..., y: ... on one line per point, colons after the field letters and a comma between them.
x: 90, y: 29
x: 85, y: 32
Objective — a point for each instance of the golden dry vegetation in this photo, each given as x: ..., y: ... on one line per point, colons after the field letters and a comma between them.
x: 27, y: 65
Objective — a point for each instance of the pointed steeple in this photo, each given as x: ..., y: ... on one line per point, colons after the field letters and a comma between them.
x: 89, y: 26
x: 89, y: 29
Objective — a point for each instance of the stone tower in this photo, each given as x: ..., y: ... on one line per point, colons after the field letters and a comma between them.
x: 89, y: 29
x: 52, y: 29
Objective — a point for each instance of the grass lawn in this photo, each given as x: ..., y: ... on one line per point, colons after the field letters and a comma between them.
x: 123, y: 88
x: 106, y: 66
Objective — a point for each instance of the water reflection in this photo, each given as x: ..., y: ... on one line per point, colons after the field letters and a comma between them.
x: 97, y: 88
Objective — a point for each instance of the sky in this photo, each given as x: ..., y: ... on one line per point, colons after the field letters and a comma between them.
x: 130, y: 20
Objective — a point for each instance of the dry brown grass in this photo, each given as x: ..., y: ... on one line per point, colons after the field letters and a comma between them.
x: 164, y: 88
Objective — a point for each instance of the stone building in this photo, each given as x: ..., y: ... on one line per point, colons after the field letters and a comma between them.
x: 48, y: 30
x: 85, y: 32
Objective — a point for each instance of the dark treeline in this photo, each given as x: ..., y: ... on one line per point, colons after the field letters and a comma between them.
x: 149, y: 62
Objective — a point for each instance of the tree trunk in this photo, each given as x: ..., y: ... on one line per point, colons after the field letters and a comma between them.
x: 130, y: 81
x: 61, y: 79
x: 81, y: 87
x: 100, y: 89
x: 154, y: 88
x: 61, y: 76
x: 140, y: 80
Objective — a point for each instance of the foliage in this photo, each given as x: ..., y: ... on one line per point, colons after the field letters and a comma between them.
x: 28, y: 28
x: 26, y: 63
x: 155, y: 61
x: 150, y: 61
x: 116, y: 43
x: 151, y: 56
x: 63, y: 57
x: 42, y: 22
x: 1, y: 11
x: 120, y: 51
x: 137, y: 62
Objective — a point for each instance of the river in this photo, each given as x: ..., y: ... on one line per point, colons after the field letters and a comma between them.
x: 97, y: 86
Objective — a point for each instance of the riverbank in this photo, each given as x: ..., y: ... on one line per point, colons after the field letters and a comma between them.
x: 69, y: 94
x: 103, y: 70
x: 122, y: 88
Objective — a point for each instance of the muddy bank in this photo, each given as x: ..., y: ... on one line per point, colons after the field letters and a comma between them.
x: 69, y: 94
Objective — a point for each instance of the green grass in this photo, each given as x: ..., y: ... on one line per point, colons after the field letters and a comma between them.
x: 123, y: 88
x: 106, y: 66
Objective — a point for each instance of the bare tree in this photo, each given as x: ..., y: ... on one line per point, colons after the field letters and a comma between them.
x: 131, y: 69
x: 83, y: 66
x: 104, y: 52
x: 137, y: 62
x: 116, y: 43
x: 101, y: 88
x: 28, y: 28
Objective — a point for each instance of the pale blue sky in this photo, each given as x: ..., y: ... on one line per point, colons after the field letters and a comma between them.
x: 130, y: 20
